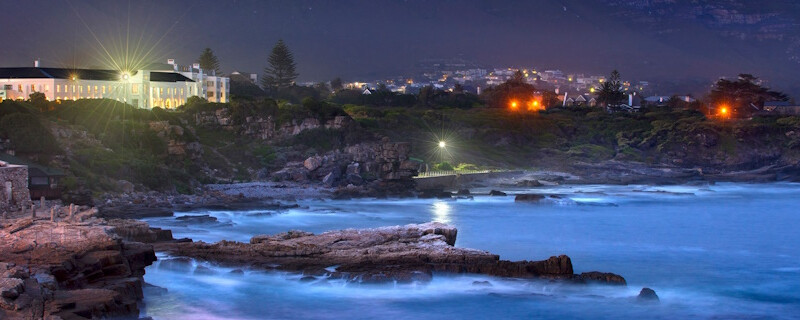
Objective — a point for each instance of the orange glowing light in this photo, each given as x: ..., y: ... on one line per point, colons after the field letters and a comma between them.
x: 514, y: 105
x: 535, y: 105
x: 723, y: 110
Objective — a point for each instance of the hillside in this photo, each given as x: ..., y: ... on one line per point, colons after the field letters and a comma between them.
x: 108, y: 146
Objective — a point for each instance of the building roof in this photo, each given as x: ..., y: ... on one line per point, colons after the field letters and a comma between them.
x: 58, y: 73
x: 83, y: 74
x: 33, y: 168
x: 168, y: 77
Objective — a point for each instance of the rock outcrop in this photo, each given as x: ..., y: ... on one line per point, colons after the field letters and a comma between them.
x: 399, y: 253
x: 68, y: 270
x: 266, y: 127
x: 366, y: 169
x: 647, y: 295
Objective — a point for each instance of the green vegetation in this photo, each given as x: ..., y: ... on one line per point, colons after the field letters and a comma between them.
x: 100, y: 142
x: 28, y: 135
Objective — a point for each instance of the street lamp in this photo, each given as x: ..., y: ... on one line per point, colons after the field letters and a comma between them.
x: 442, y: 144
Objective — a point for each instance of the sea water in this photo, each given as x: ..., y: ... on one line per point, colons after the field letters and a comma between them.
x: 710, y: 252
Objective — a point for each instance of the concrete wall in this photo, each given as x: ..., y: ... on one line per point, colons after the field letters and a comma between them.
x: 455, y: 182
x: 13, y: 187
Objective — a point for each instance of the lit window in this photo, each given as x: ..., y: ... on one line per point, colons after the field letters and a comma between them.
x: 47, y: 87
x: 80, y: 89
x: 135, y: 89
x: 95, y: 89
x: 58, y: 88
x: 181, y: 91
x: 104, y: 89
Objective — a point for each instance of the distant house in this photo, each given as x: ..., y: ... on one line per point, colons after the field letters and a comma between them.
x: 42, y: 181
x: 366, y: 91
x: 585, y: 100
x: 633, y: 104
x: 657, y: 100
x: 782, y: 107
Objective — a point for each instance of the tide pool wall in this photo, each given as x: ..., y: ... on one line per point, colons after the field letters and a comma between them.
x: 13, y: 187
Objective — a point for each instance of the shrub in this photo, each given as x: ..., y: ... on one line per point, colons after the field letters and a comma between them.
x: 28, y: 135
x: 443, y: 166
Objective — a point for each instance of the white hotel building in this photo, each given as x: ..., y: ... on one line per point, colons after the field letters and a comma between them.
x: 164, y: 87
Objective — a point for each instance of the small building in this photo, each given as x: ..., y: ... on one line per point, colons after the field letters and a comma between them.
x: 585, y: 100
x: 13, y: 186
x: 41, y: 181
x: 782, y: 107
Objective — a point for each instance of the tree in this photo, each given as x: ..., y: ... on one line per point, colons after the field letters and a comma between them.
x: 280, y: 73
x: 336, y: 84
x: 744, y: 96
x: 515, y: 93
x: 38, y: 100
x: 323, y: 89
x: 208, y: 61
x: 610, y: 92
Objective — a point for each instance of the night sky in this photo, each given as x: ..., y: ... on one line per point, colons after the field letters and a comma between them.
x: 364, y: 40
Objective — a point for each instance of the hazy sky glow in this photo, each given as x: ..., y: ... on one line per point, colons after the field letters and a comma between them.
x: 369, y: 39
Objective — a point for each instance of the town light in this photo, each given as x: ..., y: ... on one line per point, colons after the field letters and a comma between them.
x: 125, y: 76
x: 514, y: 104
x: 442, y: 144
x: 73, y: 77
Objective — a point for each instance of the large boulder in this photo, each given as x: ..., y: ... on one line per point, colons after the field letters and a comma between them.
x: 312, y: 163
x: 647, y: 295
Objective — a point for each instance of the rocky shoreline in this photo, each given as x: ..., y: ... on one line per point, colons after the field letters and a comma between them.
x: 85, y: 266
x: 69, y: 270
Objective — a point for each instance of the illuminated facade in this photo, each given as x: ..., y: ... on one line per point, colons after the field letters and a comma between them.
x: 142, y: 88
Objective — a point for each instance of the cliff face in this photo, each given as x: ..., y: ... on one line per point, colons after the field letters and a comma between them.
x: 69, y: 270
x: 265, y: 128
x: 383, y: 166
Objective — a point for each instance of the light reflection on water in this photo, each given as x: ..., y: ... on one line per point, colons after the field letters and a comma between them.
x: 725, y: 251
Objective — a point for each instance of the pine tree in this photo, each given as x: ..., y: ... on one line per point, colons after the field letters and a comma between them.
x: 610, y: 92
x: 208, y: 61
x: 281, y: 70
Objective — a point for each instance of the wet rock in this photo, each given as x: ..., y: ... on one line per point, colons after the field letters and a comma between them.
x: 239, y: 272
x: 481, y: 283
x: 202, y: 219
x: 308, y: 279
x: 602, y: 277
x: 435, y: 193
x: 77, y: 270
x: 402, y: 253
x: 528, y: 197
x: 134, y: 212
x: 463, y: 192
x: 647, y: 295
x: 10, y: 288
x: 528, y: 183
x: 332, y: 179
x: 497, y: 193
